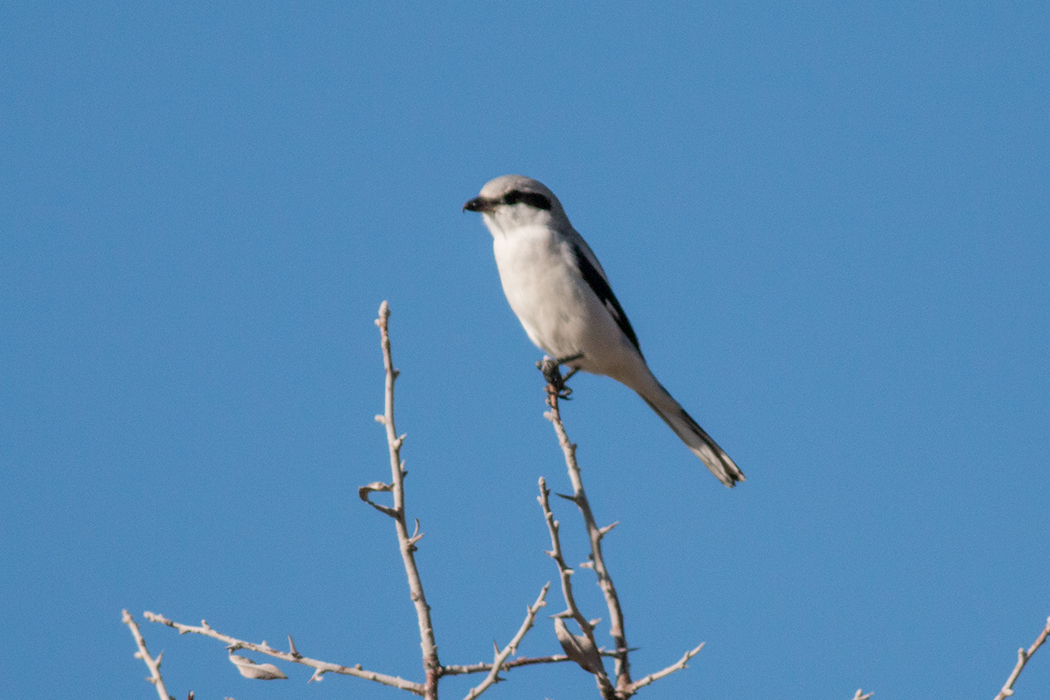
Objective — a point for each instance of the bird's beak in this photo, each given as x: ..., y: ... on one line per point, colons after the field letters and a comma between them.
x: 479, y: 204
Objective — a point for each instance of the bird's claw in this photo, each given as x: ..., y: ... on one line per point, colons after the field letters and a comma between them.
x: 551, y: 370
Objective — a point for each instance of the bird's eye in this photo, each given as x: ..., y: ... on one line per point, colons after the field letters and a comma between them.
x: 533, y: 199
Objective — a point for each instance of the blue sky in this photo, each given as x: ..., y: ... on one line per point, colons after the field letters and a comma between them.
x: 829, y: 224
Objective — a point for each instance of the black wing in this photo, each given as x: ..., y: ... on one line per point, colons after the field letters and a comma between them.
x: 605, y: 293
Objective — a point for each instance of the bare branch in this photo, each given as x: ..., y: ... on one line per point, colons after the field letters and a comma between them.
x: 564, y: 571
x: 152, y: 664
x: 459, y: 670
x: 320, y: 667
x: 511, y: 648
x: 858, y: 696
x: 1022, y: 659
x: 584, y: 647
x: 604, y: 684
x: 682, y: 663
x: 431, y: 663
x: 605, y: 582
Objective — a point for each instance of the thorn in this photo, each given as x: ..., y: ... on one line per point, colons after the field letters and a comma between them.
x: 291, y: 648
x: 608, y: 528
x: 495, y: 647
x: 381, y: 419
x: 567, y: 498
x: 416, y: 531
x: 587, y: 565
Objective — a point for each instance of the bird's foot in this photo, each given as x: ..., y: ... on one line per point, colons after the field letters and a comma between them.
x: 551, y: 370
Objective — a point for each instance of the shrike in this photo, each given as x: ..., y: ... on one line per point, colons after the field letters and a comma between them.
x: 562, y: 297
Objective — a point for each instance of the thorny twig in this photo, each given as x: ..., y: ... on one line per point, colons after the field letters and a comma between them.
x: 152, y: 664
x: 595, y: 533
x: 431, y: 663
x: 572, y: 610
x: 625, y: 688
x: 1022, y: 659
x: 584, y: 649
x: 293, y: 655
x: 501, y: 656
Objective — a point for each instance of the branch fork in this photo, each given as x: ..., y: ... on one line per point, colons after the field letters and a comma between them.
x: 582, y: 648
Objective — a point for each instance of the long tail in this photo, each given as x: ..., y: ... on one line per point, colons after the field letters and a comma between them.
x: 694, y: 437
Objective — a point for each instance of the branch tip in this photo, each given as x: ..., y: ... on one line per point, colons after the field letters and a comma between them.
x: 1023, y: 657
x: 143, y: 654
x: 320, y: 667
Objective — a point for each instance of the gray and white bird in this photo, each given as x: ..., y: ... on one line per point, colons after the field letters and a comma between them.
x: 561, y: 295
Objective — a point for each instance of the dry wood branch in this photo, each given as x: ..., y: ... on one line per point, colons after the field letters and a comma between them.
x: 152, y: 664
x: 501, y: 656
x: 859, y: 696
x: 595, y: 533
x: 564, y: 571
x: 463, y: 669
x: 293, y: 656
x: 431, y: 663
x: 682, y: 663
x: 572, y: 610
x: 625, y: 688
x: 1022, y: 658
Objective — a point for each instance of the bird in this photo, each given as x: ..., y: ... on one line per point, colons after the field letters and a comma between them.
x: 560, y: 293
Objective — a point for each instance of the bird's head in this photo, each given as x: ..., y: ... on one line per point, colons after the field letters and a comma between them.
x: 511, y: 201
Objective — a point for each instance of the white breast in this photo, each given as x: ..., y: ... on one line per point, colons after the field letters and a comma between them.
x: 559, y: 312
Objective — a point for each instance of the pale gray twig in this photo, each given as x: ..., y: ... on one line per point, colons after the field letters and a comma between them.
x: 1022, y: 659
x: 152, y: 664
x: 501, y: 656
x: 682, y: 663
x: 463, y: 669
x: 431, y: 663
x: 293, y: 656
x: 595, y: 533
x: 858, y: 695
x: 625, y: 688
x: 605, y: 686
